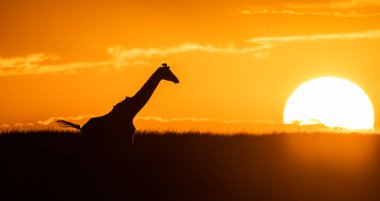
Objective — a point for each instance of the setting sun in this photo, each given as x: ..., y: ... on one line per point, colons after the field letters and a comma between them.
x: 331, y: 101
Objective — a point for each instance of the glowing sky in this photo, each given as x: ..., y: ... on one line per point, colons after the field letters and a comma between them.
x: 237, y: 61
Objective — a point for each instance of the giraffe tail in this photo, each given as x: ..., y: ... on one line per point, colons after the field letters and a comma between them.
x: 68, y: 124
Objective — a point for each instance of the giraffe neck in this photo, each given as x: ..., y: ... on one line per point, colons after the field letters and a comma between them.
x: 146, y: 91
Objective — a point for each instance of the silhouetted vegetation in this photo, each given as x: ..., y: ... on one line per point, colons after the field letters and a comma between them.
x: 52, y: 165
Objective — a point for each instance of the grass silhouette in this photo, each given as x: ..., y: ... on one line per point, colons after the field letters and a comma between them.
x: 51, y: 165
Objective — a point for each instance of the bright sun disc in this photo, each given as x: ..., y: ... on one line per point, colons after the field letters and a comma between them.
x: 331, y: 101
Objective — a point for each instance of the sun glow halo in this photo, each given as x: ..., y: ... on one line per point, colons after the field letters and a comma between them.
x: 331, y: 101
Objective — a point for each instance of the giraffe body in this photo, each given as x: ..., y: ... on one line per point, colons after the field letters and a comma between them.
x: 113, y: 132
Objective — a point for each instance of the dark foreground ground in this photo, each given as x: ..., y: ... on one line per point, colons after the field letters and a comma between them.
x: 305, y: 167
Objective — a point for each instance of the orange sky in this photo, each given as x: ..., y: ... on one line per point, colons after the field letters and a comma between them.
x: 237, y: 61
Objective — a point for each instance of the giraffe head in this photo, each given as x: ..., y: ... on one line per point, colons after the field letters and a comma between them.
x: 167, y: 74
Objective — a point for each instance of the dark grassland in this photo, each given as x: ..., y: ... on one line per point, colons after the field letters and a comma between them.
x: 307, y: 167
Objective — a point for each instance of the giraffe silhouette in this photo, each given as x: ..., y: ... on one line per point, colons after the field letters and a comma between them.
x: 115, y: 130
x: 107, y: 140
